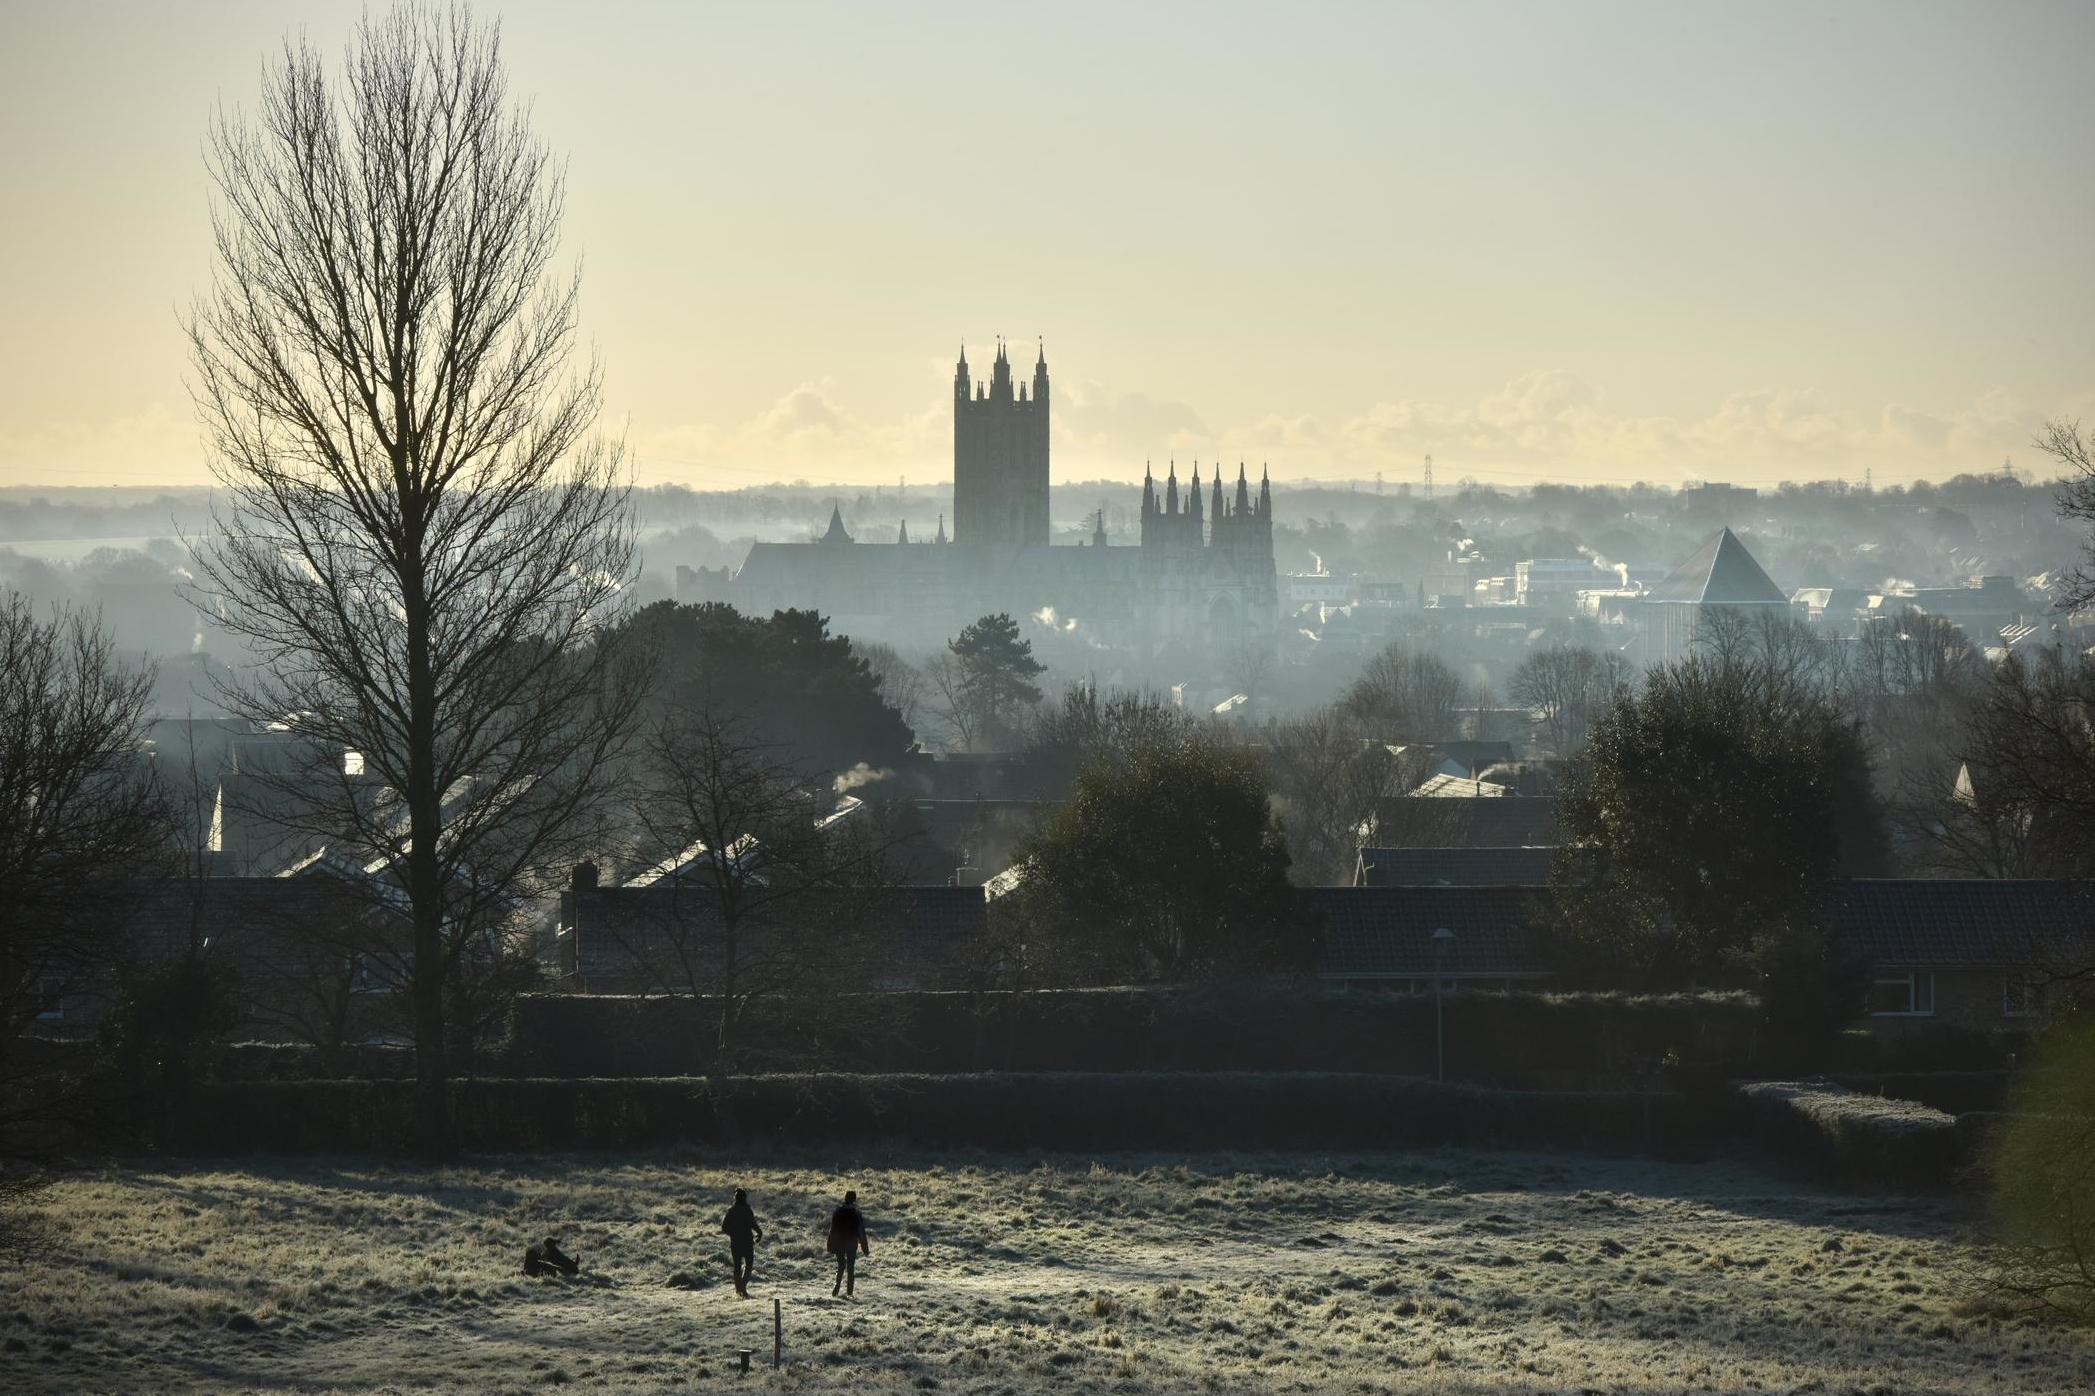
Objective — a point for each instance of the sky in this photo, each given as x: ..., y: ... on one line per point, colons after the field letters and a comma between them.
x: 1584, y: 242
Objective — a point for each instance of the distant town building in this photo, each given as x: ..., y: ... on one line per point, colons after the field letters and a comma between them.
x: 1720, y: 574
x: 1717, y: 498
x: 1553, y: 582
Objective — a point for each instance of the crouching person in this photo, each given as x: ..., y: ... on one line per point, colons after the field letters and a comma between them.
x: 547, y: 1258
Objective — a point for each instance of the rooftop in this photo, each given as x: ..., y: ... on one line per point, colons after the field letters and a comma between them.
x: 1719, y: 573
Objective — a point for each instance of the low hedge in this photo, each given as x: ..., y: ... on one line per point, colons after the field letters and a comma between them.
x: 1914, y: 1046
x: 1843, y: 1136
x: 1952, y: 1092
x: 295, y: 1061
x: 1504, y: 1039
x: 1056, y: 1111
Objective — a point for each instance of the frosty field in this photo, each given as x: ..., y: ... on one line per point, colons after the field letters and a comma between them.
x: 1447, y: 1272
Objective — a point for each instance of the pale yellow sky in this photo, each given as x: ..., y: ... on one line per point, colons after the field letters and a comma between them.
x: 1591, y: 241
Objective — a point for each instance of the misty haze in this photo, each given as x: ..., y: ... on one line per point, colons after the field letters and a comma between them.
x: 1355, y: 698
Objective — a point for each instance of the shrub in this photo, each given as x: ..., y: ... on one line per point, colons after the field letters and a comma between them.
x: 1061, y: 1110
x: 1952, y: 1092
x: 1557, y: 1040
x: 2041, y: 1167
x: 1838, y: 1134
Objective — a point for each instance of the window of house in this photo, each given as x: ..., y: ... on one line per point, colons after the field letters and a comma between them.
x: 1909, y: 995
x: 50, y: 1000
x: 2018, y: 996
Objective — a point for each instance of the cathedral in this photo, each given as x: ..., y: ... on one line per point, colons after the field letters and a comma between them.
x: 1199, y: 581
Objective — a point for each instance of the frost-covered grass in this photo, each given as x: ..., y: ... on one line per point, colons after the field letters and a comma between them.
x: 1450, y: 1272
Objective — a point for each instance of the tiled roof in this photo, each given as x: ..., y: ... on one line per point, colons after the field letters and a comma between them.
x: 1445, y: 786
x: 1515, y: 821
x: 1378, y: 932
x: 1972, y: 922
x: 241, y: 915
x: 1719, y: 573
x: 1455, y: 867
x: 627, y: 934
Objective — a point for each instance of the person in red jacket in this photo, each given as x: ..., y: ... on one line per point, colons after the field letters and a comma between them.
x: 847, y: 1242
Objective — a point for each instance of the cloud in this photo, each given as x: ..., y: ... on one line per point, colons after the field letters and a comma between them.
x: 1545, y: 424
x: 158, y: 445
x: 1552, y: 423
x: 806, y: 433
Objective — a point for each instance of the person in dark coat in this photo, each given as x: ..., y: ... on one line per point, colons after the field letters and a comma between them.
x: 847, y: 1242
x: 549, y: 1259
x: 743, y: 1232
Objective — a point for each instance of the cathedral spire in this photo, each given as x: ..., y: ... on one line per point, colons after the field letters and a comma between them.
x: 1193, y: 500
x: 836, y: 533
x: 941, y: 529
x: 1149, y: 490
x: 1265, y: 490
x: 1243, y: 491
x: 902, y: 534
x: 1171, y: 490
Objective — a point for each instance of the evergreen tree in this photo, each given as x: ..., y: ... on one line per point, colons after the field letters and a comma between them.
x: 990, y: 681
x: 1164, y: 865
x: 1702, y: 825
x: 795, y: 689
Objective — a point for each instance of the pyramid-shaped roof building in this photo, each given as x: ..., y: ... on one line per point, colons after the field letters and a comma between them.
x: 1719, y: 573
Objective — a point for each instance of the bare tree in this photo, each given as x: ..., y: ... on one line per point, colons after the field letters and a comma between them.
x: 950, y: 707
x: 902, y: 684
x: 770, y: 895
x: 81, y: 820
x: 1406, y: 695
x: 1566, y: 687
x: 1326, y: 774
x: 2027, y: 799
x: 1088, y: 725
x: 419, y: 543
x: 1769, y: 649
x: 2074, y: 449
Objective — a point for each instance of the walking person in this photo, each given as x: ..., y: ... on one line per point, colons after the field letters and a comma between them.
x: 743, y: 1232
x: 847, y: 1242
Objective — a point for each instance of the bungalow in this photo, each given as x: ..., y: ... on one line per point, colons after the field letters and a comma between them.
x: 1453, y: 867
x: 1406, y: 938
x: 667, y: 936
x: 1978, y: 952
x: 1453, y: 818
x: 1981, y: 953
x: 315, y: 957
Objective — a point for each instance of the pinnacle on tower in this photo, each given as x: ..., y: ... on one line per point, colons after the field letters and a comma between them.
x: 1193, y: 502
x: 1171, y: 490
x: 1243, y: 490
x: 836, y: 533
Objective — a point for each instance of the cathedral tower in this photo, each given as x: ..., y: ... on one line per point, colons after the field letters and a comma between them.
x: 1000, y: 457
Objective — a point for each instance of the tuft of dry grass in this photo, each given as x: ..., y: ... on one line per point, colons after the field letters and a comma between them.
x: 1452, y: 1272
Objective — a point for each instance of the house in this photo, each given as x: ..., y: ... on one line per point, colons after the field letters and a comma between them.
x: 666, y: 936
x: 1453, y: 867
x: 960, y: 841
x: 1385, y: 937
x: 1719, y: 575
x: 1977, y: 952
x: 316, y: 957
x: 1493, y: 818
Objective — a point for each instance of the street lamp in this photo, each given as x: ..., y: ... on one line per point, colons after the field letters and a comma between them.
x: 1441, y: 939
